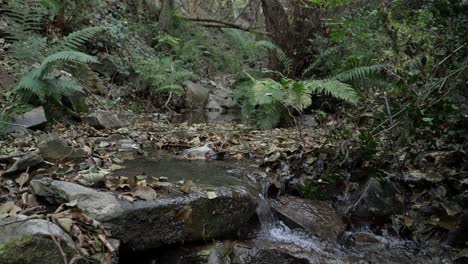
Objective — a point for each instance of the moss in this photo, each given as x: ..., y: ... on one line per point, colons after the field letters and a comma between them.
x: 32, y: 249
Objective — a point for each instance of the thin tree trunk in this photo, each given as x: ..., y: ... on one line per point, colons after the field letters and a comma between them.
x: 165, y: 16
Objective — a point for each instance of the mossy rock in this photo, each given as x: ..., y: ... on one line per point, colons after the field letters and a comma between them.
x: 31, y: 242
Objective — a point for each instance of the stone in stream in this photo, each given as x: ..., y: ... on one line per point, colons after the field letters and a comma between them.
x: 56, y: 148
x: 203, y: 214
x: 28, y: 161
x: 30, y: 242
x: 34, y: 119
x: 199, y: 153
x: 197, y: 95
x: 316, y: 217
x: 377, y: 198
x: 103, y: 120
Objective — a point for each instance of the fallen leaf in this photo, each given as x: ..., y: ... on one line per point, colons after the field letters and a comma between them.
x: 22, y: 179
x: 211, y: 195
x: 185, y: 188
x: 65, y: 223
x: 115, y: 167
x: 145, y: 193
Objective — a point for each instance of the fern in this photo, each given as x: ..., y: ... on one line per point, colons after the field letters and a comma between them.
x: 40, y: 83
x: 164, y: 75
x: 76, y: 39
x: 267, y: 102
x: 62, y: 57
x: 281, y: 56
x: 359, y: 73
x: 333, y: 88
x: 23, y: 17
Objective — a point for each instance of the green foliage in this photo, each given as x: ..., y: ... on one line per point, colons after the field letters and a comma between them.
x: 280, y: 55
x: 48, y: 81
x: 267, y: 102
x: 166, y: 40
x: 164, y: 74
x: 204, y: 51
x: 41, y: 83
x: 23, y: 18
x: 75, y: 40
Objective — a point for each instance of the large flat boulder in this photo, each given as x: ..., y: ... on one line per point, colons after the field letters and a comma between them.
x: 316, y: 217
x: 34, y: 119
x: 30, y: 242
x: 55, y: 148
x: 26, y: 162
x: 203, y: 214
x: 103, y: 120
x: 197, y: 95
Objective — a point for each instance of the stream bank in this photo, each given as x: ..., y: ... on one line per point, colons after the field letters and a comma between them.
x: 218, y: 192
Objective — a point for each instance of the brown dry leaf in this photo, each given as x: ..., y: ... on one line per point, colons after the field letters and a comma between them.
x: 145, y: 193
x: 22, y: 179
x: 65, y: 223
x: 185, y: 188
x: 9, y: 209
x: 238, y: 156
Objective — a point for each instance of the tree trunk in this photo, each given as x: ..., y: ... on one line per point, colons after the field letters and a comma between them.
x: 165, y: 16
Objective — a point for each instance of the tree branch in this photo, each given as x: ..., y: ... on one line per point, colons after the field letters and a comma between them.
x: 222, y: 24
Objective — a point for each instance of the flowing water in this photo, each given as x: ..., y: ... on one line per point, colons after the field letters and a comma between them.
x: 271, y: 235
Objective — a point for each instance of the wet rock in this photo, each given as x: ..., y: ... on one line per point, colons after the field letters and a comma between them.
x: 309, y: 121
x: 30, y: 242
x: 204, y: 213
x: 199, y: 153
x: 360, y: 239
x: 316, y: 217
x: 376, y: 198
x: 127, y: 116
x: 28, y: 161
x: 6, y: 80
x: 76, y: 100
x: 34, y: 119
x: 223, y: 97
x: 197, y: 95
x: 56, y: 148
x: 106, y: 66
x: 103, y: 120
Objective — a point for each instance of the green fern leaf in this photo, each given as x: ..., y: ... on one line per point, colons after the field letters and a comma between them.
x: 76, y: 39
x: 334, y: 88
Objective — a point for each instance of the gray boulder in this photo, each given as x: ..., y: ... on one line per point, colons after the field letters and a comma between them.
x: 56, y: 148
x: 204, y: 213
x: 103, y: 120
x: 6, y: 80
x: 28, y: 161
x: 30, y: 242
x: 197, y: 95
x: 33, y: 119
x: 316, y: 217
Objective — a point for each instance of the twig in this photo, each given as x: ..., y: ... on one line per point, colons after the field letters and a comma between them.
x: 12, y: 124
x: 57, y: 243
x: 17, y: 221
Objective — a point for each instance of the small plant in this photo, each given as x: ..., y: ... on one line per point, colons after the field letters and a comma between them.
x: 268, y: 102
x: 164, y: 75
x: 165, y: 42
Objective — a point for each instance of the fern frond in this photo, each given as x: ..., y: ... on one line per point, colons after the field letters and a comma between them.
x: 33, y: 86
x: 76, y: 39
x: 63, y: 56
x: 281, y: 56
x: 334, y: 88
x: 358, y: 73
x: 23, y: 17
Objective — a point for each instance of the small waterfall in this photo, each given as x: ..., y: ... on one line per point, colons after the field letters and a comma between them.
x: 272, y: 229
